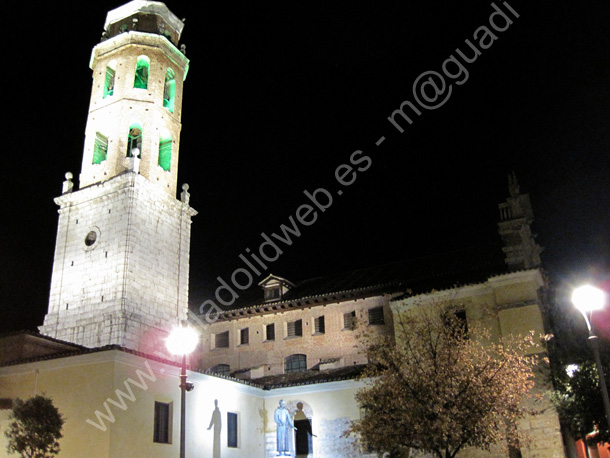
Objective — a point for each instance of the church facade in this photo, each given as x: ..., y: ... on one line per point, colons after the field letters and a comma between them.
x: 120, y: 283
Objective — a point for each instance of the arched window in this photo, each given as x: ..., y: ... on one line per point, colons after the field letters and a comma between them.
x: 295, y: 363
x: 142, y: 70
x: 100, y: 148
x: 169, y: 92
x: 109, y: 79
x: 221, y: 369
x: 165, y: 151
x: 134, y: 140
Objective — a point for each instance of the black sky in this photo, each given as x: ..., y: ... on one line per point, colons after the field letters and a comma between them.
x: 279, y: 95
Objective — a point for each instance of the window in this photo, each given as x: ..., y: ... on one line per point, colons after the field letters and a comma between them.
x: 244, y: 336
x: 162, y: 423
x: 349, y: 320
x: 272, y: 293
x: 231, y: 430
x: 142, y: 70
x: 270, y: 332
x: 221, y: 340
x: 221, y: 369
x: 456, y: 321
x: 109, y: 79
x: 165, y: 151
x: 376, y: 316
x: 100, y: 148
x: 318, y: 324
x: 294, y: 328
x: 169, y: 92
x: 134, y: 141
x: 295, y: 363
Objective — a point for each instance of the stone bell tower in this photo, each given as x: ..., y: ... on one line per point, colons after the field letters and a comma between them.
x: 121, y: 266
x: 515, y: 227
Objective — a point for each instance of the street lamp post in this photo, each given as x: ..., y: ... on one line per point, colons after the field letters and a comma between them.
x: 587, y: 299
x: 181, y: 342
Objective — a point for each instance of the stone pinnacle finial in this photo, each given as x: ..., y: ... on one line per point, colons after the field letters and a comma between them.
x: 68, y: 186
x: 185, y: 197
x: 513, y: 185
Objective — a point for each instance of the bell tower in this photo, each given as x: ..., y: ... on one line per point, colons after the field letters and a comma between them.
x: 121, y: 266
x: 515, y: 227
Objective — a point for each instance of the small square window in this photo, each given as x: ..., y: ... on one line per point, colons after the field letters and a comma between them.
x: 349, y: 320
x: 221, y: 340
x: 376, y: 316
x: 294, y: 328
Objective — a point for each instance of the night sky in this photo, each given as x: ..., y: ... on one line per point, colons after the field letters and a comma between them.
x: 279, y: 96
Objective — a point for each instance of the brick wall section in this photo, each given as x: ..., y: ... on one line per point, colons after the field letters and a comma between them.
x: 112, y: 116
x: 334, y: 343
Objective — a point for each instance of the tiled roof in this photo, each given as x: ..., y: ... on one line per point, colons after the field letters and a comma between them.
x: 440, y: 271
x: 267, y: 383
x: 310, y: 377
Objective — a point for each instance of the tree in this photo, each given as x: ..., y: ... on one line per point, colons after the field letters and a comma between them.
x: 578, y: 400
x: 35, y: 428
x: 437, y: 388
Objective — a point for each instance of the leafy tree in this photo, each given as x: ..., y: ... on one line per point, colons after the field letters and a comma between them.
x: 35, y: 428
x: 579, y: 402
x: 436, y: 388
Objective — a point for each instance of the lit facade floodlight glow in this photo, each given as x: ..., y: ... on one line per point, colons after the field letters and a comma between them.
x: 588, y: 298
x: 572, y: 369
x: 182, y: 341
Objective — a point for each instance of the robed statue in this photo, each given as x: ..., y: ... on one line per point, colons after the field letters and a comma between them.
x: 284, y: 429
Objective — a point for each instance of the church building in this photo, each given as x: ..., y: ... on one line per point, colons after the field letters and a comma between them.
x: 120, y: 284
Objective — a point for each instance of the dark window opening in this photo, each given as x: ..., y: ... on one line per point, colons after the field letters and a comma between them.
x: 100, y: 148
x: 458, y: 323
x: 169, y: 91
x: 231, y: 430
x: 270, y: 331
x: 244, y: 336
x: 141, y: 76
x: 319, y: 327
x: 221, y: 369
x: 109, y: 81
x: 349, y: 320
x: 376, y: 316
x: 161, y: 423
x: 165, y: 154
x: 272, y: 294
x: 134, y: 142
x: 295, y: 363
x: 221, y: 340
x: 294, y: 329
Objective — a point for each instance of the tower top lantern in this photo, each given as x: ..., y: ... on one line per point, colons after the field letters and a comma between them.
x: 144, y: 16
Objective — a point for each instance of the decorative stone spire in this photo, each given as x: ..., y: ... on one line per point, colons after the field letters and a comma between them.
x: 516, y: 217
x: 67, y: 186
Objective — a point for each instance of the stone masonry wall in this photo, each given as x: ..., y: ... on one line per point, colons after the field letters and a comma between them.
x: 133, y: 277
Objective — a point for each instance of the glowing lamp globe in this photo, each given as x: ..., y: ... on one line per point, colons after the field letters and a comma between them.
x: 182, y: 341
x: 588, y: 298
